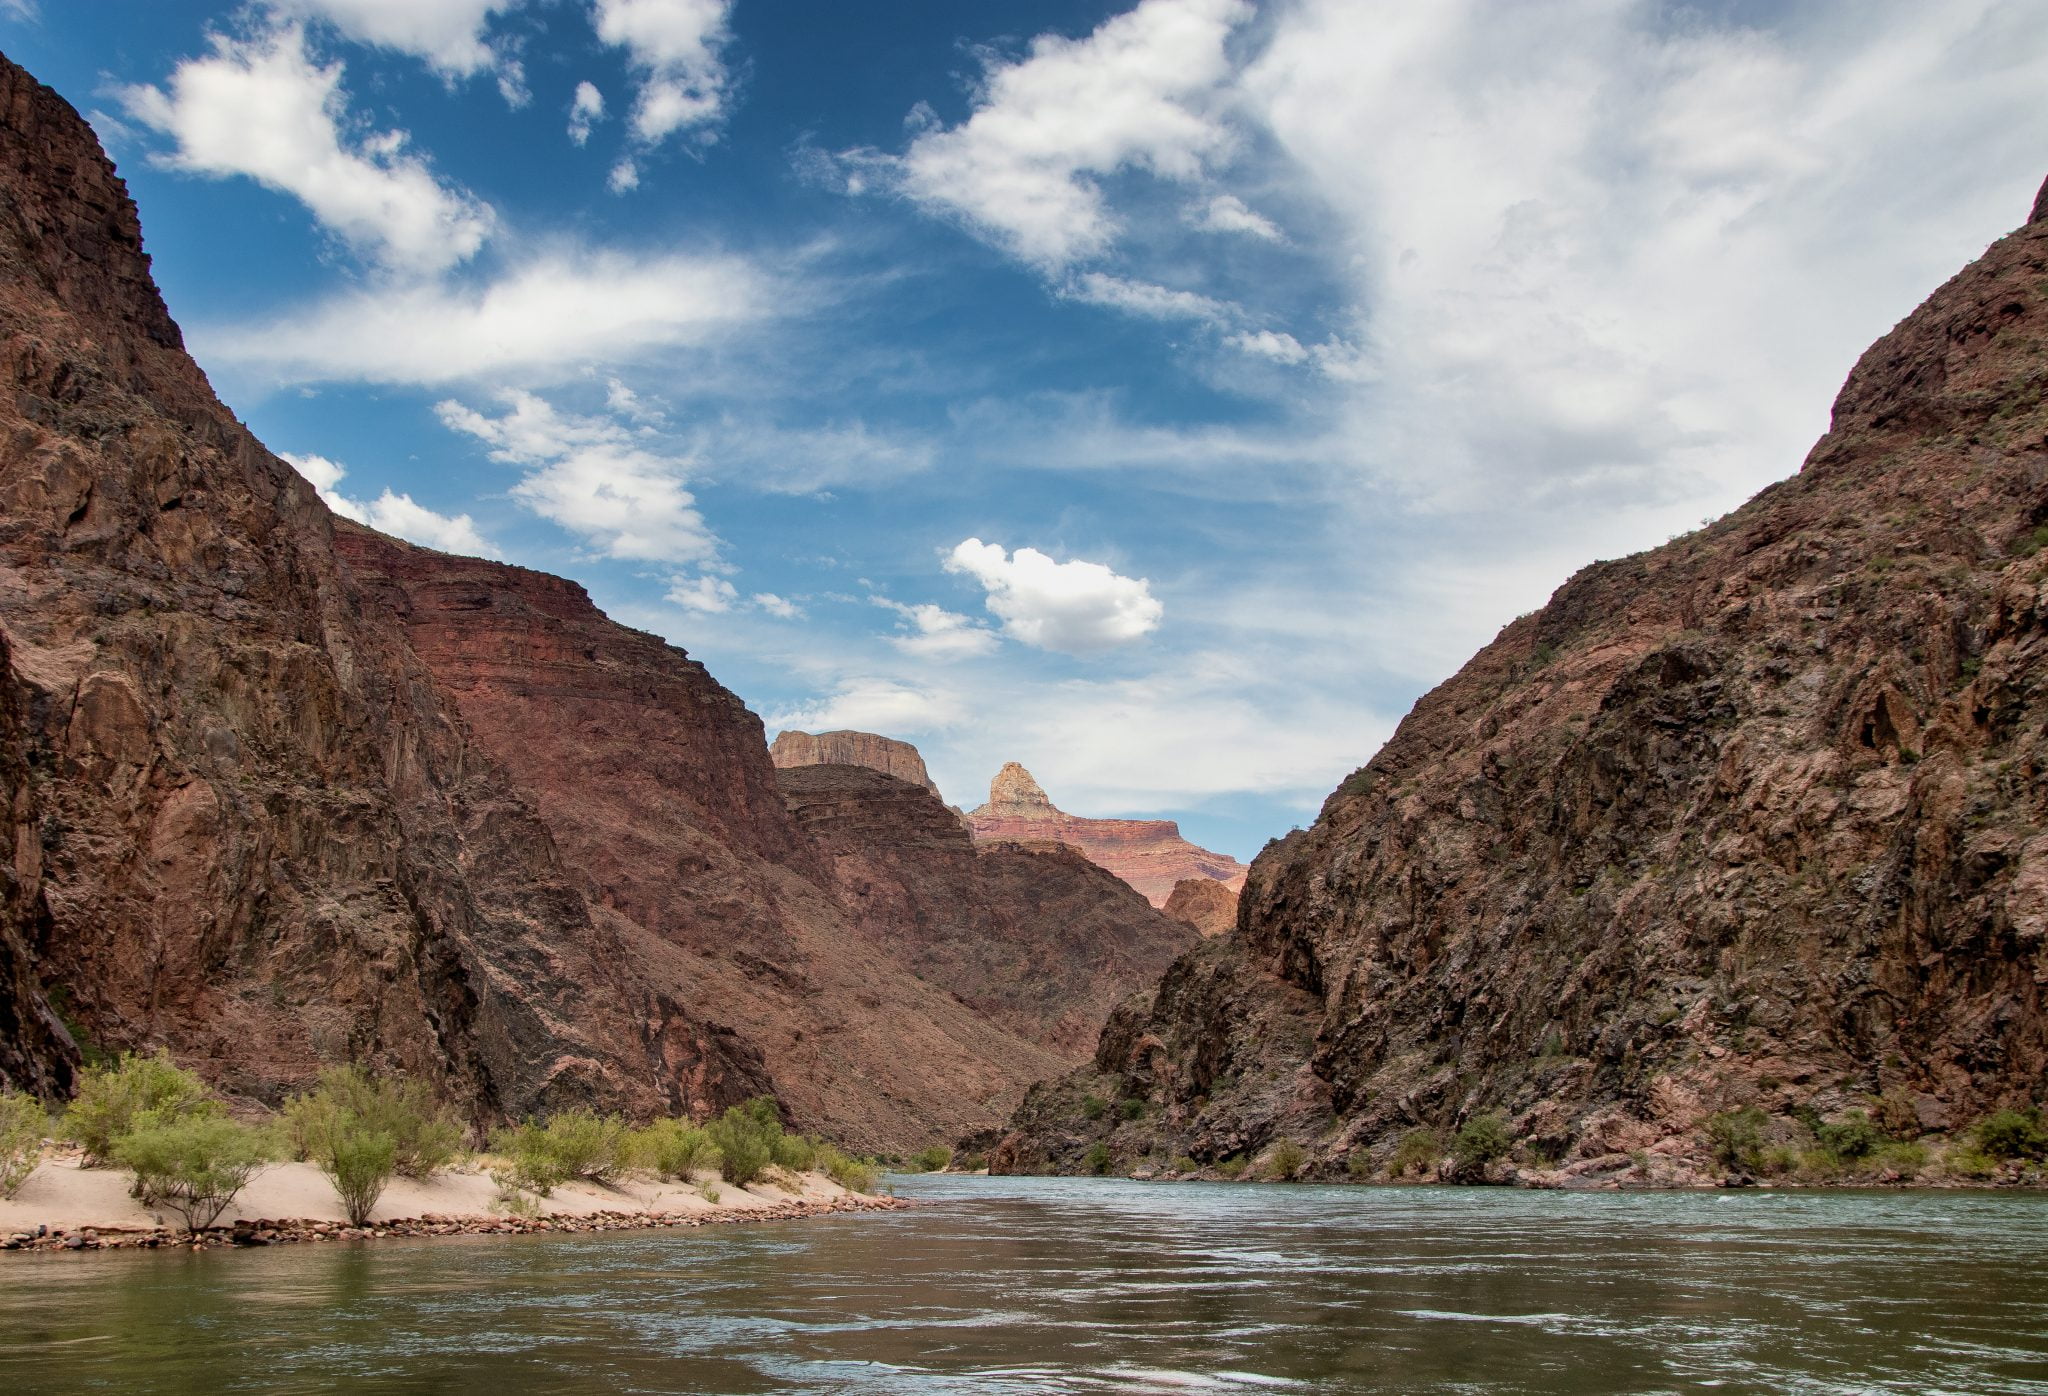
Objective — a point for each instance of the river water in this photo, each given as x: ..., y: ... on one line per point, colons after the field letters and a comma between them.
x: 1035, y: 1285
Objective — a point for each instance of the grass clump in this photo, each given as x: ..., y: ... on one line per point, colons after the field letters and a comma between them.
x: 111, y: 1099
x: 1285, y: 1160
x: 23, y: 1125
x: 675, y: 1149
x: 192, y: 1164
x: 1420, y: 1151
x: 1478, y: 1142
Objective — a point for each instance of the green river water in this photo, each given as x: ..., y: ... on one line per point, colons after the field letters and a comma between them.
x: 1036, y: 1285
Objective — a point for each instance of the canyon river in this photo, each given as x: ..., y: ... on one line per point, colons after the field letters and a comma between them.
x: 1028, y: 1285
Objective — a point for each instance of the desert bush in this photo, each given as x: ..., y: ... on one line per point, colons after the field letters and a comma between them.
x: 1284, y: 1161
x: 359, y: 1162
x: 973, y: 1163
x: 192, y: 1164
x: 797, y: 1152
x: 1854, y: 1136
x: 1478, y: 1142
x: 1358, y: 1163
x: 1895, y: 1114
x: 1419, y: 1151
x: 1098, y: 1159
x: 1131, y: 1108
x: 1094, y: 1107
x: 745, y: 1136
x: 2010, y: 1134
x: 23, y: 1125
x: 425, y: 1135
x: 676, y: 1148
x: 1232, y: 1167
x: 111, y: 1098
x: 1776, y: 1160
x: 531, y: 1161
x: 1736, y: 1137
x: 1902, y: 1156
x: 929, y: 1160
x: 575, y: 1143
x: 855, y: 1175
x: 1963, y: 1159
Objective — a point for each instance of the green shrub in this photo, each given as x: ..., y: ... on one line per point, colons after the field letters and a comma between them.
x: 23, y: 1125
x: 1478, y: 1142
x: 573, y: 1144
x: 855, y: 1175
x: 1098, y: 1159
x: 531, y: 1163
x: 676, y: 1148
x: 1901, y: 1156
x: 2010, y: 1134
x: 798, y: 1153
x: 1854, y: 1136
x: 425, y: 1136
x: 359, y: 1161
x: 1284, y: 1161
x: 1964, y: 1159
x: 745, y: 1136
x: 111, y: 1098
x: 1232, y: 1167
x: 1184, y: 1164
x: 929, y: 1160
x: 973, y: 1163
x: 1358, y: 1163
x: 1094, y: 1107
x: 1131, y: 1108
x: 193, y: 1164
x: 1420, y: 1151
x: 1777, y: 1160
x: 1736, y: 1137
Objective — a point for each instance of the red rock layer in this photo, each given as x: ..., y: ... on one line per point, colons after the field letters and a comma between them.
x: 1037, y: 938
x: 884, y: 754
x: 1149, y: 854
x: 1204, y: 904
x: 1756, y: 818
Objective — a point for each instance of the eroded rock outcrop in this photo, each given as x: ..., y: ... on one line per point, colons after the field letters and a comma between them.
x: 843, y: 748
x: 1756, y: 818
x: 1149, y: 854
x: 1208, y: 906
x: 1035, y: 937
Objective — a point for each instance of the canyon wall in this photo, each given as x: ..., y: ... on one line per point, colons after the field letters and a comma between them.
x: 1757, y: 818
x: 1149, y: 854
x: 884, y: 754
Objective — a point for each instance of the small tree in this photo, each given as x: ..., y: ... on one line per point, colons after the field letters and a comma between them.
x: 425, y: 1135
x: 359, y: 1162
x: 194, y: 1164
x: 1480, y: 1141
x: 111, y: 1098
x: 23, y: 1125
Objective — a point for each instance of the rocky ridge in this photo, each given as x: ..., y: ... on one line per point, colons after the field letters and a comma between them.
x: 1149, y: 854
x: 284, y: 792
x: 1755, y: 819
x: 843, y: 748
x: 1208, y: 906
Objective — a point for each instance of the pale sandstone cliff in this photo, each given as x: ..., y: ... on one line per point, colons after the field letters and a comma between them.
x: 1149, y: 854
x: 1759, y: 817
x: 884, y: 754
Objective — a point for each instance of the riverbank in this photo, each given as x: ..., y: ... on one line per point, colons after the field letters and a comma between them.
x: 65, y: 1207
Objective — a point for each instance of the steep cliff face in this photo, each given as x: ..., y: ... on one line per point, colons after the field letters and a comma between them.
x: 1208, y: 906
x: 1035, y: 937
x: 1757, y: 818
x: 283, y: 792
x: 884, y: 754
x: 1149, y: 854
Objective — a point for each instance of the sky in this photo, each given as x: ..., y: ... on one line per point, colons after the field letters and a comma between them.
x: 1162, y: 395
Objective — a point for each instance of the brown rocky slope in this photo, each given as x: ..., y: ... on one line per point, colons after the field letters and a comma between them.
x: 1035, y: 937
x: 284, y: 792
x: 1149, y: 854
x: 1756, y: 818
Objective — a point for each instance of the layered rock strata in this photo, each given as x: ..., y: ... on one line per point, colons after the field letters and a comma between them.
x: 1149, y: 854
x: 1757, y: 818
x: 1035, y: 937
x: 884, y: 754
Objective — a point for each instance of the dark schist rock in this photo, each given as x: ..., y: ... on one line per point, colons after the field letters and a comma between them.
x: 1759, y: 817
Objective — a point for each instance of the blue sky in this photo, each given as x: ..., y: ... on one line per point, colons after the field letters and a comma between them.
x: 1162, y: 395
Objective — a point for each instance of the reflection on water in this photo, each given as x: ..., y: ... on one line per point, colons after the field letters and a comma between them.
x: 1014, y: 1285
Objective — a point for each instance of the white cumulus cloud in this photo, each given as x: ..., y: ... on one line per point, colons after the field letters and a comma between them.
x: 1226, y: 213
x: 709, y: 594
x: 447, y: 34
x: 547, y: 318
x: 1073, y: 607
x: 594, y: 478
x: 1024, y: 169
x: 933, y: 632
x: 260, y: 107
x: 586, y: 109
x: 396, y: 514
x: 676, y: 50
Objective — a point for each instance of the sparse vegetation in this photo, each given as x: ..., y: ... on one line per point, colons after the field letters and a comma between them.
x: 1420, y: 1151
x: 1478, y: 1142
x: 111, y: 1099
x: 2010, y: 1134
x: 1131, y: 1108
x: 676, y: 1148
x: 1094, y: 1107
x: 1284, y: 1161
x: 1736, y: 1137
x: 23, y: 1126
x: 1098, y: 1159
x: 193, y: 1164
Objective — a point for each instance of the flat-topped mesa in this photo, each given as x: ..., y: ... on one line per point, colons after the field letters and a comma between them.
x: 847, y: 748
x: 1149, y: 854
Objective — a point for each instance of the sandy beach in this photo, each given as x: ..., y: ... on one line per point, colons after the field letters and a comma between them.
x: 296, y: 1197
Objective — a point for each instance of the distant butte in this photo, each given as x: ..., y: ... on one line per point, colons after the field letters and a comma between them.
x: 884, y: 754
x: 1149, y: 854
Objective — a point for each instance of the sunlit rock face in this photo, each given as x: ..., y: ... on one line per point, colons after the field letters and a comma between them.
x: 1756, y: 818
x: 884, y: 754
x: 1203, y: 904
x: 1149, y: 854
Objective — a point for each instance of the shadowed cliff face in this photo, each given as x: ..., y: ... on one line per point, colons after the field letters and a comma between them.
x: 1036, y: 937
x: 1758, y: 817
x: 1149, y: 854
x: 283, y: 792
